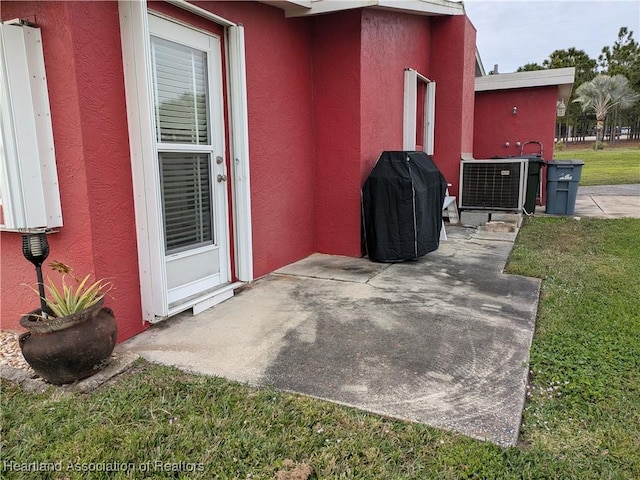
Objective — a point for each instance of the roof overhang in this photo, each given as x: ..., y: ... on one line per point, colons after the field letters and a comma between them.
x: 303, y: 8
x: 287, y: 5
x: 480, y: 72
x: 563, y: 78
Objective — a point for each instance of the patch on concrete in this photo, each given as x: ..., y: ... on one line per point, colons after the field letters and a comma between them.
x: 332, y: 267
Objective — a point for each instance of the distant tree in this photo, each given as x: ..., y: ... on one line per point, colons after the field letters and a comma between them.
x: 624, y: 59
x: 530, y: 67
x: 586, y: 67
x: 605, y: 94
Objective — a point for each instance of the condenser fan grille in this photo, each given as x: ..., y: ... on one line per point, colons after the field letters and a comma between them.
x: 492, y: 185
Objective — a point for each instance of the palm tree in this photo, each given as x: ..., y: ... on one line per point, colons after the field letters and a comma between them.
x: 604, y: 94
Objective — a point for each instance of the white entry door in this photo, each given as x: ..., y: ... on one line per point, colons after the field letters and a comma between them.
x: 186, y: 73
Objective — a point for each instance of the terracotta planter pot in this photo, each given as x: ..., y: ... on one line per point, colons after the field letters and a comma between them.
x: 63, y: 350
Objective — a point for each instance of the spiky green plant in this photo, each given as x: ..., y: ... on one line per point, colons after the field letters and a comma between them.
x: 68, y: 298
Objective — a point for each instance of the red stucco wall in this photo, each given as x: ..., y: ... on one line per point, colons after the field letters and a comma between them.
x: 359, y: 62
x: 281, y: 137
x: 391, y: 42
x: 337, y: 123
x: 495, y: 123
x: 81, y: 43
x: 453, y: 69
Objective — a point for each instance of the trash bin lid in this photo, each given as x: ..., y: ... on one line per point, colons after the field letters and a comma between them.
x: 565, y: 162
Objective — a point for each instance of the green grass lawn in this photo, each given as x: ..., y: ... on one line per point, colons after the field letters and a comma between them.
x: 610, y: 166
x: 581, y: 421
x: 585, y: 358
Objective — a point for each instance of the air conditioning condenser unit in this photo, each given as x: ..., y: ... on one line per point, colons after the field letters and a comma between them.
x: 494, y: 184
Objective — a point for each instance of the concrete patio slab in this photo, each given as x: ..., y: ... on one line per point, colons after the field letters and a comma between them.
x: 443, y: 340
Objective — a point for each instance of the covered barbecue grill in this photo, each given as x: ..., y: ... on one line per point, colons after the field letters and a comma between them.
x: 402, y: 207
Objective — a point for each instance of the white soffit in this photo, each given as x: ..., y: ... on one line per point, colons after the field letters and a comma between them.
x: 285, y: 5
x: 562, y: 77
x: 420, y: 7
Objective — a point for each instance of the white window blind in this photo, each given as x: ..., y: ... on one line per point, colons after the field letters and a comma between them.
x: 180, y: 80
x: 186, y: 193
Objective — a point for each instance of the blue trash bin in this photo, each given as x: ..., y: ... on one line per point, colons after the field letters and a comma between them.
x: 563, y: 177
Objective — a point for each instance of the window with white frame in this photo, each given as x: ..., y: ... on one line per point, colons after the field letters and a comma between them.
x: 418, y: 112
x: 29, y: 195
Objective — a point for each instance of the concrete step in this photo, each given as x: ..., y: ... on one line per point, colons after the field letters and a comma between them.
x: 491, y: 221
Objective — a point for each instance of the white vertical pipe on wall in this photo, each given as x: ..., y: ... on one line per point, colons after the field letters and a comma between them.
x: 240, y: 153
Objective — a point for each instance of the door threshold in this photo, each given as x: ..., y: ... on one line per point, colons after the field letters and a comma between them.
x: 216, y: 297
x: 206, y: 300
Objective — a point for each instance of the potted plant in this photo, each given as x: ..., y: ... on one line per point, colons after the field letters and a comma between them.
x: 72, y: 335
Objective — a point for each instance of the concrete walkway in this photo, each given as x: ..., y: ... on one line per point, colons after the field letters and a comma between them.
x: 608, y: 201
x: 444, y: 340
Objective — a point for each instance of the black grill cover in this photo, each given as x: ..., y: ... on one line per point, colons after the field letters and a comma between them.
x: 402, y: 207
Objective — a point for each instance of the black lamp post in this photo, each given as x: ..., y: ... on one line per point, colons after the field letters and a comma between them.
x: 35, y: 248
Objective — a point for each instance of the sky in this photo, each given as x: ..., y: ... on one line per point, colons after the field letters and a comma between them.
x: 512, y: 33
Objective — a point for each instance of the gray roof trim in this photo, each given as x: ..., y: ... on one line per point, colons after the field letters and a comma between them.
x: 562, y: 77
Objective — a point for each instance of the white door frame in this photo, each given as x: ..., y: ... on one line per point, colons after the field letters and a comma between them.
x: 192, y: 271
x: 134, y: 30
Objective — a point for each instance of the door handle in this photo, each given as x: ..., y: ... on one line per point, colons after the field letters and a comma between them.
x: 222, y: 178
